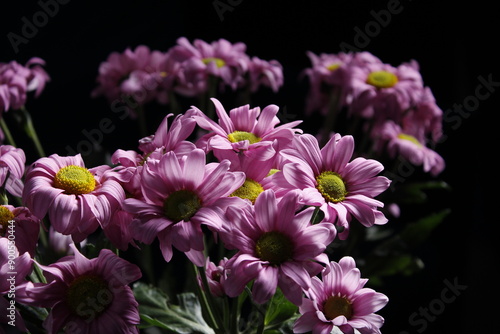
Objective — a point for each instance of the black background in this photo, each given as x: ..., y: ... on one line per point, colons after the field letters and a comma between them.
x: 455, y: 44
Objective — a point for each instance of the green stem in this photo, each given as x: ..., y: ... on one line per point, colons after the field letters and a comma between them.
x: 6, y: 132
x: 208, y: 301
x: 29, y: 128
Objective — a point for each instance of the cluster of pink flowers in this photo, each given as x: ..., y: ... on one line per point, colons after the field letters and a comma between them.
x: 401, y: 112
x: 269, y: 194
x: 17, y: 80
x: 188, y: 69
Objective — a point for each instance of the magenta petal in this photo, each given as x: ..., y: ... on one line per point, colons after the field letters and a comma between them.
x: 265, y: 284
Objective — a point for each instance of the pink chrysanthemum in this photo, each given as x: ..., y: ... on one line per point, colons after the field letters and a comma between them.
x: 328, y: 179
x: 140, y: 73
x: 383, y: 91
x: 265, y: 73
x: 17, y: 80
x: 340, y: 300
x: 329, y: 73
x: 14, y: 268
x: 198, y: 61
x: 24, y: 225
x: 76, y: 200
x: 425, y: 119
x: 89, y: 295
x: 277, y: 247
x: 245, y: 130
x: 216, y: 275
x: 12, y: 165
x: 180, y: 193
x: 398, y: 141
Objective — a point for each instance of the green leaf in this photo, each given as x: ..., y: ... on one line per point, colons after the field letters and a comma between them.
x: 415, y: 192
x: 279, y: 310
x: 417, y: 232
x: 156, y: 310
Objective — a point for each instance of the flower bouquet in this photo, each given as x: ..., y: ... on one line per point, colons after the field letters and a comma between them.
x: 228, y: 217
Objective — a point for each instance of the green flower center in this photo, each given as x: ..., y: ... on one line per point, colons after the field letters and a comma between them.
x: 218, y: 62
x: 5, y: 216
x: 238, y: 136
x: 88, y: 296
x: 74, y: 180
x: 382, y: 79
x: 181, y: 205
x: 249, y: 190
x: 335, y: 306
x: 409, y: 138
x: 274, y: 247
x: 331, y: 186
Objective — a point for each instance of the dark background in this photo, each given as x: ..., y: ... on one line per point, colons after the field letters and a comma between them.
x: 455, y: 44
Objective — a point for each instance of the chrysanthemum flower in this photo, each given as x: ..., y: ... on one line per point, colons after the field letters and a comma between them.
x: 14, y: 268
x: 25, y: 226
x: 383, y: 91
x: 90, y: 295
x: 401, y: 142
x: 180, y: 193
x: 12, y: 166
x: 216, y: 275
x: 329, y: 72
x: 246, y: 131
x: 76, y: 200
x: 277, y: 247
x: 200, y: 60
x: 328, y: 179
x: 140, y: 73
x: 340, y: 300
x: 265, y: 73
x: 17, y: 80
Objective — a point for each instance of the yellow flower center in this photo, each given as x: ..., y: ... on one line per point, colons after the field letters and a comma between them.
x: 249, y: 190
x: 410, y: 138
x: 75, y: 180
x: 382, y: 79
x: 181, y: 205
x: 335, y: 306
x: 88, y: 296
x: 238, y: 136
x: 331, y: 186
x: 333, y: 67
x: 274, y: 247
x: 5, y: 216
x: 272, y: 171
x: 218, y: 62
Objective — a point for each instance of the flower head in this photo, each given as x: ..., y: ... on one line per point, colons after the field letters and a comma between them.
x: 75, y: 198
x: 329, y: 73
x: 398, y: 141
x: 383, y: 91
x: 17, y: 80
x: 12, y: 166
x: 198, y: 61
x: 180, y: 193
x: 339, y: 299
x: 329, y: 179
x: 24, y: 224
x: 92, y: 295
x: 276, y: 247
x: 140, y: 74
x: 248, y: 131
